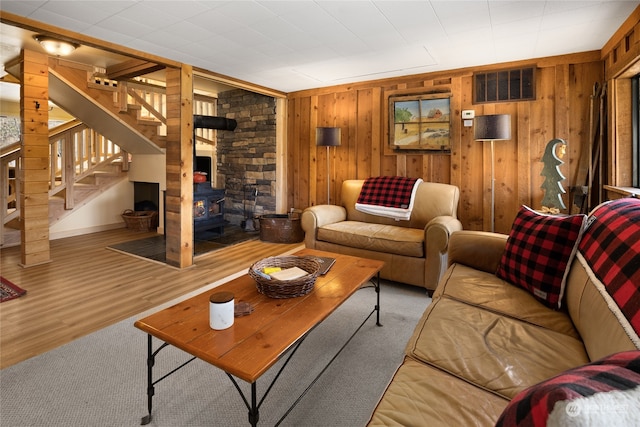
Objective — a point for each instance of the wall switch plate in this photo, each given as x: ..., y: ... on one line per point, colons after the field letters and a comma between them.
x: 468, y: 114
x: 467, y: 123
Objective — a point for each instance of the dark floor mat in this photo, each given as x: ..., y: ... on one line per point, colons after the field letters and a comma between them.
x: 154, y: 247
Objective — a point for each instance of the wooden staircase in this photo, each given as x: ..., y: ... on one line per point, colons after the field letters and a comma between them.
x: 84, y: 162
x: 86, y: 189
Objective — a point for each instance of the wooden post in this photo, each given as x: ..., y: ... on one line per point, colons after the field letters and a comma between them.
x: 34, y: 173
x: 179, y: 160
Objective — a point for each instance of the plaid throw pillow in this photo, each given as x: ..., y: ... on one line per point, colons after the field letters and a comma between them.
x: 611, y: 246
x: 604, y: 392
x: 538, y: 251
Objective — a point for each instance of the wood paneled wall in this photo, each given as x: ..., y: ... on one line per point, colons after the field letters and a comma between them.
x: 564, y: 85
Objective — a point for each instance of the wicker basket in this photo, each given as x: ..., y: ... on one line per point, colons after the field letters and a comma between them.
x: 275, y: 288
x: 140, y: 220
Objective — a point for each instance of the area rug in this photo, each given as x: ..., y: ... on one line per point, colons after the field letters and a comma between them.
x: 100, y: 379
x: 154, y: 248
x: 9, y: 291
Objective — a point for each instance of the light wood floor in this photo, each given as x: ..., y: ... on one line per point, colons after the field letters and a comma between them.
x: 87, y: 287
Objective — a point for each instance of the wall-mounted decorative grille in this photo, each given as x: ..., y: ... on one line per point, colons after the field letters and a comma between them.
x: 504, y: 86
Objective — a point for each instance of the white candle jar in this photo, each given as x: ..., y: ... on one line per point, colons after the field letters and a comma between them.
x: 221, y: 305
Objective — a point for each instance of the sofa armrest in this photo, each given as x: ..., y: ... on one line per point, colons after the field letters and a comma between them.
x: 316, y: 216
x: 481, y: 250
x: 436, y: 239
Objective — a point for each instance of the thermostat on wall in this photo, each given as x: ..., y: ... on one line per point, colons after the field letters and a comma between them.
x: 468, y: 114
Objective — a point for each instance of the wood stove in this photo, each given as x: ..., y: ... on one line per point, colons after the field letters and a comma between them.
x: 208, y: 202
x: 208, y: 207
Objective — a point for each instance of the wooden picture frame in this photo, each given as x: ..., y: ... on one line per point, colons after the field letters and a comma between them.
x: 420, y: 122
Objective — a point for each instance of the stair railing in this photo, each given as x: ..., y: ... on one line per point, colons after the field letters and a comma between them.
x: 10, y: 190
x: 76, y: 151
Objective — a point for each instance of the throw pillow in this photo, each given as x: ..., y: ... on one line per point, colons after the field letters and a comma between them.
x: 604, y: 392
x: 538, y: 251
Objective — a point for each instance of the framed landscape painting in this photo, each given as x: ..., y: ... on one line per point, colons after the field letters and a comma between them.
x: 420, y: 122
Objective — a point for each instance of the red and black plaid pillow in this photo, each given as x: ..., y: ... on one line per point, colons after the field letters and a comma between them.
x: 611, y: 246
x: 565, y: 397
x: 538, y: 252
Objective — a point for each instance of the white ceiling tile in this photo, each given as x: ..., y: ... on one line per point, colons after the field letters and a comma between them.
x: 244, y: 11
x: 21, y: 7
x: 88, y: 12
x: 188, y: 31
x: 214, y: 22
x: 119, y: 24
x: 446, y: 9
x: 510, y: 12
x: 415, y: 21
x: 59, y: 20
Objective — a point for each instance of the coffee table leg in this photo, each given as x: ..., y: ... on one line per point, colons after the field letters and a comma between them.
x: 151, y: 360
x: 150, y: 389
x: 377, y: 286
x: 254, y: 412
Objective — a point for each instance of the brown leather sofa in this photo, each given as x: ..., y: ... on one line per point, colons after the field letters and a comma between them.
x: 482, y: 340
x: 414, y: 251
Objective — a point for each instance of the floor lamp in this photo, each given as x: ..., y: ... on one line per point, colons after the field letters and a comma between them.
x: 495, y: 127
x: 328, y: 137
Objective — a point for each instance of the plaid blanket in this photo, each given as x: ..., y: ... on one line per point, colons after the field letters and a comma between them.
x: 611, y: 246
x: 390, y: 196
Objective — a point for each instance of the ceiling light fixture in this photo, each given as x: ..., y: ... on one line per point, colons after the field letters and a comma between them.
x: 56, y: 47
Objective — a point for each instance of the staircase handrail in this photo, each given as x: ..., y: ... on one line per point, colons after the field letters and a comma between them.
x: 64, y: 127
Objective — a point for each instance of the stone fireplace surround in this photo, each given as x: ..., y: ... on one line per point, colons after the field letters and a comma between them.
x: 247, y: 156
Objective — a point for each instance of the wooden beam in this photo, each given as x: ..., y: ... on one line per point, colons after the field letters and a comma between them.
x: 34, y: 175
x: 179, y: 159
x: 132, y: 68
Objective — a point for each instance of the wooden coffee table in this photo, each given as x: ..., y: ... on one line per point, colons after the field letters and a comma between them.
x: 256, y: 342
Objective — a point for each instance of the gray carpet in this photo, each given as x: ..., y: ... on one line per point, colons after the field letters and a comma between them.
x: 100, y: 379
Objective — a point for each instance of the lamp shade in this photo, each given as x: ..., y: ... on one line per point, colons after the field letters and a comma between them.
x: 328, y: 137
x: 493, y: 127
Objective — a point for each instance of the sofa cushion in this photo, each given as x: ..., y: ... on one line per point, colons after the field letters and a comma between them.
x: 485, y: 290
x: 496, y: 352
x: 538, y: 251
x: 421, y: 395
x: 375, y: 237
x: 604, y: 392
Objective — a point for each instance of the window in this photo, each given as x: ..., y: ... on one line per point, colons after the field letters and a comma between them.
x: 504, y: 86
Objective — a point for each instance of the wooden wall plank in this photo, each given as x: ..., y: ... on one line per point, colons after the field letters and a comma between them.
x: 365, y: 106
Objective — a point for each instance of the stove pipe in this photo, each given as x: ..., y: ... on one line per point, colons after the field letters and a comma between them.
x: 213, y: 122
